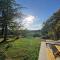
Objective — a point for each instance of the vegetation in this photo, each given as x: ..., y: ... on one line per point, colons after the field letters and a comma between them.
x: 21, y: 49
x: 8, y: 10
x: 15, y: 48
x: 51, y: 28
x: 27, y: 46
x: 31, y: 33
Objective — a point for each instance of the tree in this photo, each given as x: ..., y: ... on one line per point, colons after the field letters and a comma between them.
x: 8, y: 9
x: 52, y: 26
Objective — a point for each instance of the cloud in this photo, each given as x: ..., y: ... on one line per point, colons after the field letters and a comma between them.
x: 35, y: 27
x: 31, y: 22
x: 28, y: 20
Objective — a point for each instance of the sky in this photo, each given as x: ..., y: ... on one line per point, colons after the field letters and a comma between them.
x: 38, y: 11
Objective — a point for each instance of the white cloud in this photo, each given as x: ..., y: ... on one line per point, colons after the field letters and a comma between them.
x: 31, y: 22
x: 28, y: 21
x: 35, y: 27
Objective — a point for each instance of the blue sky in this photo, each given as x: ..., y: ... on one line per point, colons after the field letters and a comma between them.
x: 40, y: 9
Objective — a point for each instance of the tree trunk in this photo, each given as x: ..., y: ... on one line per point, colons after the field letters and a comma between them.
x: 2, y: 31
x: 55, y: 35
x: 5, y: 33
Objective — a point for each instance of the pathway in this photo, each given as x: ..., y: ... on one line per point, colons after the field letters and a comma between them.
x: 42, y: 53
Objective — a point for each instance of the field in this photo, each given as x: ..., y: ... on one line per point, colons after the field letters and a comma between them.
x: 23, y: 49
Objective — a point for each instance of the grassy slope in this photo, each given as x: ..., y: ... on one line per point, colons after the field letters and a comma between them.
x: 24, y: 49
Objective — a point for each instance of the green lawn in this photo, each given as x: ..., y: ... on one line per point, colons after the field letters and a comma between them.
x: 23, y: 49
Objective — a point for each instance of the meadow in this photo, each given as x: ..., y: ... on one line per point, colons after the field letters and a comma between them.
x: 22, y: 49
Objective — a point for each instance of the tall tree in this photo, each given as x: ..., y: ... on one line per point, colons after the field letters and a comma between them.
x: 9, y: 9
x: 52, y: 26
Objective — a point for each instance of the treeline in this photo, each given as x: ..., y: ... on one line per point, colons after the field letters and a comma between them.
x: 10, y: 11
x: 51, y: 28
x: 24, y: 33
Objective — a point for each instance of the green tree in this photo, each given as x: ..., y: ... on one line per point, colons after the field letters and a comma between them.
x: 8, y: 9
x: 52, y: 26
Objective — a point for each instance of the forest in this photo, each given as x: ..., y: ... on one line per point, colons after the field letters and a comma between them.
x: 51, y: 28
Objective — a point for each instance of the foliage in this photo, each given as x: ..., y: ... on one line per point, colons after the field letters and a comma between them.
x: 51, y: 27
x: 22, y: 49
x: 8, y: 10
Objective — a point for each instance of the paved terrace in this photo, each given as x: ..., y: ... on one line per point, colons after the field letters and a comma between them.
x: 46, y: 53
x: 42, y: 53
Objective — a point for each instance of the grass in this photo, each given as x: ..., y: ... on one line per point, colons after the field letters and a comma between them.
x: 23, y: 49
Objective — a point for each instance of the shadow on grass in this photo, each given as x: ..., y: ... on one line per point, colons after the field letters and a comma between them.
x: 2, y: 56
